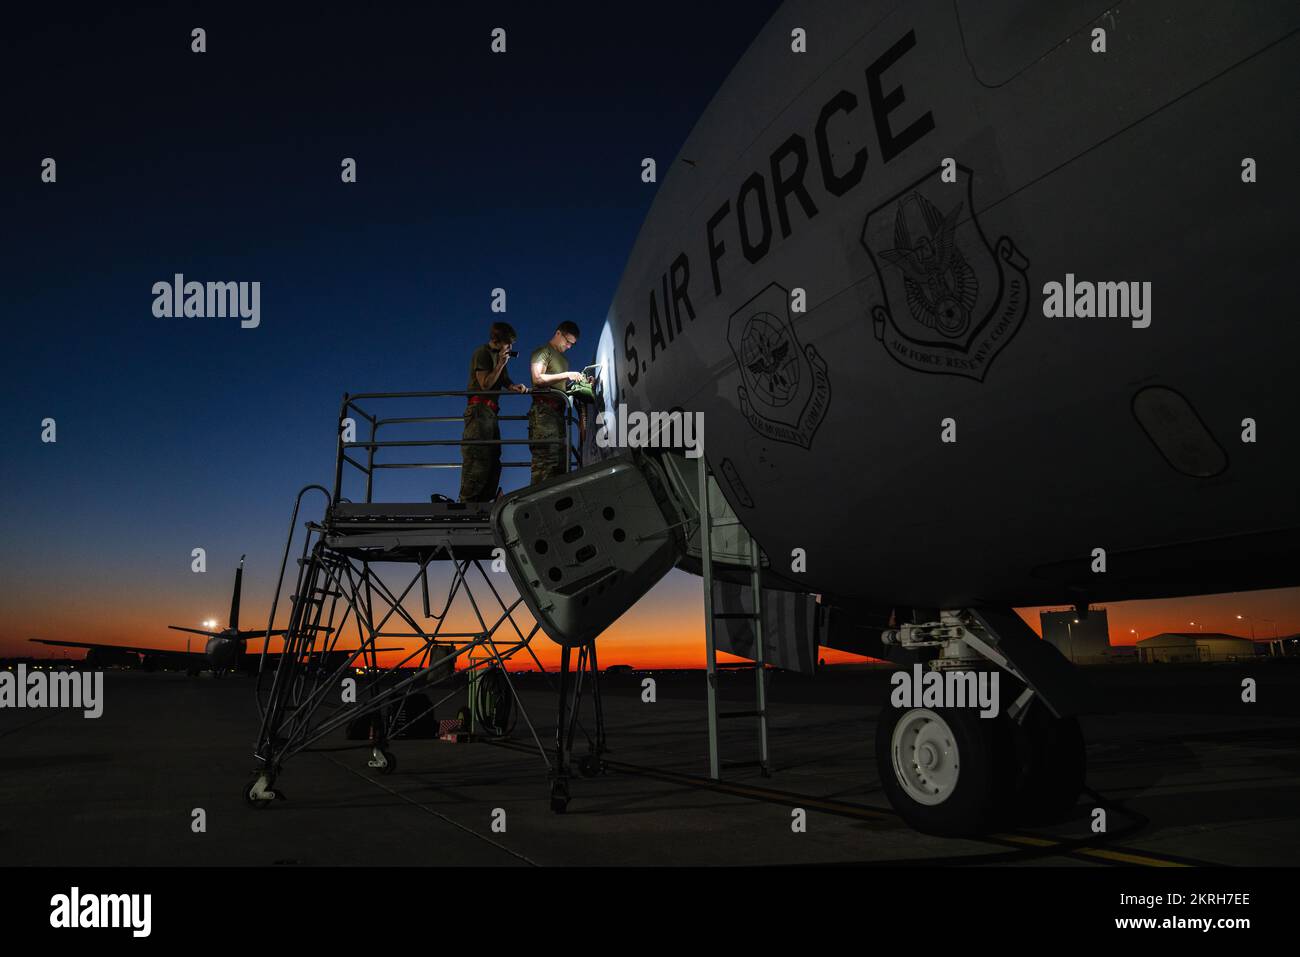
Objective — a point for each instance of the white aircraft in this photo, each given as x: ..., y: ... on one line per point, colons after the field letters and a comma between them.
x: 984, y: 305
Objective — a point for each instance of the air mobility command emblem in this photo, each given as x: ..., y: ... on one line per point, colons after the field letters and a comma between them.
x: 949, y: 302
x: 785, y: 389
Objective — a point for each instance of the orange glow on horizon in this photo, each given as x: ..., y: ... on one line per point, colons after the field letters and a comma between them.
x: 664, y: 630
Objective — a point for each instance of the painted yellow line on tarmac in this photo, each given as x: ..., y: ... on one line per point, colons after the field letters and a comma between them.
x: 870, y: 814
x: 1126, y: 857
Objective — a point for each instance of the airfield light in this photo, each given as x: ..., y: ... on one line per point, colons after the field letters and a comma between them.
x: 1252, y: 620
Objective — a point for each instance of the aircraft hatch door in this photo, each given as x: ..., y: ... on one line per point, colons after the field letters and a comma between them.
x: 582, y: 548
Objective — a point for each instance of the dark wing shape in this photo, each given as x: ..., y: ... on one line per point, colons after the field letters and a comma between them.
x: 196, y: 631
x: 779, y: 352
x: 252, y: 635
x: 273, y: 657
x: 138, y: 651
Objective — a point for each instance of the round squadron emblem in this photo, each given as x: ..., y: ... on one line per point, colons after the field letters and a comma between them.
x: 785, y: 389
x: 771, y: 358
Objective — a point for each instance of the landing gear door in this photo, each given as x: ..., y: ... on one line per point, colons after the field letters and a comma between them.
x: 584, y: 547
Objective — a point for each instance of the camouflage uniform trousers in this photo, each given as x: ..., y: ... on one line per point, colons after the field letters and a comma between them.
x: 546, y: 423
x: 480, y: 471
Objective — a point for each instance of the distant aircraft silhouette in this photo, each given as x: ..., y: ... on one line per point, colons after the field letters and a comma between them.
x: 225, y: 649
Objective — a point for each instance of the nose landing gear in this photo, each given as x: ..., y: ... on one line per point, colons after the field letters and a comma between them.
x: 950, y: 770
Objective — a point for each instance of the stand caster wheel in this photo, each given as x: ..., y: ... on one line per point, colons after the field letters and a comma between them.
x: 560, y: 797
x: 258, y: 793
x: 385, y: 762
x: 591, y: 765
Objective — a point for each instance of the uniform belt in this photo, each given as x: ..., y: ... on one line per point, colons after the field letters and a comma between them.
x: 483, y: 400
x: 549, y: 400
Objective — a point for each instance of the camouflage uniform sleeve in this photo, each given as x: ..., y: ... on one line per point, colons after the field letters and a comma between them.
x: 484, y: 360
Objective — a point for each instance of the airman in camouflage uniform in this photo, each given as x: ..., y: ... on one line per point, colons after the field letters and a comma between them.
x: 480, y: 470
x: 546, y: 418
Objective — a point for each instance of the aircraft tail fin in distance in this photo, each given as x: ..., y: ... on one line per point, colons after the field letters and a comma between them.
x: 234, y: 598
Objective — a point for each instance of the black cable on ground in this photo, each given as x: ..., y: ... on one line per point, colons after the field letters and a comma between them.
x: 494, y: 710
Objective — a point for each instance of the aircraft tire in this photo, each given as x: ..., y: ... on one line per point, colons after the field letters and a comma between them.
x: 1049, y: 766
x: 938, y: 768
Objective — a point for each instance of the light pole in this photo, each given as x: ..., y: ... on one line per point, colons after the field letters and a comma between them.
x: 1252, y: 624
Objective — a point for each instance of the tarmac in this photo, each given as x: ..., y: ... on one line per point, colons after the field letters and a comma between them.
x: 1193, y: 776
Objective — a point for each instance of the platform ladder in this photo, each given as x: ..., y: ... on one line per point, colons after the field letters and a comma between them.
x: 755, y: 616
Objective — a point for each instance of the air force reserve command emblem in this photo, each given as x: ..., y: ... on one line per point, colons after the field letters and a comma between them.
x: 785, y: 390
x: 949, y: 303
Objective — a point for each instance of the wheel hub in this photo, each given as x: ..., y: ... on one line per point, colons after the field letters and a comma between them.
x: 925, y: 756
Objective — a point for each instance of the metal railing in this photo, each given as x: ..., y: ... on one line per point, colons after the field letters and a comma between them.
x: 373, y: 445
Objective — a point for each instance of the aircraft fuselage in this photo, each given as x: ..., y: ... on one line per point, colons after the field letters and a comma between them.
x: 856, y: 272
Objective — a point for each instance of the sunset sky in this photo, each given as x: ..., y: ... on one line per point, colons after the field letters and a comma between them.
x: 664, y: 630
x: 473, y: 172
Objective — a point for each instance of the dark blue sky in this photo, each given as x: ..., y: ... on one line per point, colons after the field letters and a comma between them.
x: 474, y: 171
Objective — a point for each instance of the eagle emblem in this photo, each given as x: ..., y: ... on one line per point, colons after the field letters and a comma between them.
x: 948, y: 302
